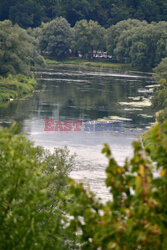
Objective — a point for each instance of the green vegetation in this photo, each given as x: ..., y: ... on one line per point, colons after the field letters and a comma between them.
x: 131, y: 42
x: 30, y: 13
x: 34, y: 194
x: 36, y: 198
x: 26, y: 13
x: 115, y: 31
x: 40, y: 208
x: 161, y: 70
x: 160, y: 94
x: 104, y: 64
x: 18, y: 55
x: 14, y: 87
x: 159, y: 101
x: 135, y: 217
x: 127, y: 42
x: 56, y: 38
x: 89, y: 37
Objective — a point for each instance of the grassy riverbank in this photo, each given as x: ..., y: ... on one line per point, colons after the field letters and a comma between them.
x: 14, y: 87
x: 95, y: 63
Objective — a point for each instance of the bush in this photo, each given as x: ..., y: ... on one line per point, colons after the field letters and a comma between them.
x: 135, y: 217
x: 13, y: 87
x: 32, y: 180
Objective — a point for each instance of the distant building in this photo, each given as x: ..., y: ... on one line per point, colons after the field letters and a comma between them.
x: 101, y: 54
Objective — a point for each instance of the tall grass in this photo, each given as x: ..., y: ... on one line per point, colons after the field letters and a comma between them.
x: 13, y: 87
x: 104, y: 64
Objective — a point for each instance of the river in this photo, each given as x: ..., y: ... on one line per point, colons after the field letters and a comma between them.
x: 91, y: 97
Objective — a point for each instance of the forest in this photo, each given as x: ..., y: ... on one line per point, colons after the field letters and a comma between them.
x: 30, y: 13
x: 130, y: 41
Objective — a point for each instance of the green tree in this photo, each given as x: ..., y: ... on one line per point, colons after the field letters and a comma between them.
x: 56, y: 38
x: 105, y: 12
x: 77, y: 10
x: 161, y: 70
x: 34, y: 194
x: 134, y: 45
x: 115, y: 31
x: 160, y: 94
x: 5, y: 6
x: 17, y: 53
x: 26, y: 13
x: 161, y: 52
x: 89, y: 36
x: 135, y: 217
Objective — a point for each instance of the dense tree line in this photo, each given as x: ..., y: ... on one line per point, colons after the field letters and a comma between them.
x: 18, y: 53
x: 138, y: 43
x: 18, y: 58
x: 160, y: 93
x: 130, y: 41
x: 30, y: 13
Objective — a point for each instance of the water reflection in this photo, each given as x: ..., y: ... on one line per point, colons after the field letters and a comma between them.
x: 79, y: 95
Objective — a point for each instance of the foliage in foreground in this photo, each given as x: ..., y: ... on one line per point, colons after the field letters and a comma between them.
x: 33, y: 194
x: 136, y: 216
x: 36, y: 200
x: 13, y: 87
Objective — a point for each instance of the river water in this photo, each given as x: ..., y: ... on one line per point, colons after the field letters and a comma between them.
x: 91, y: 97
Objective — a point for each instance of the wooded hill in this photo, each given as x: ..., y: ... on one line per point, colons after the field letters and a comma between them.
x: 30, y: 13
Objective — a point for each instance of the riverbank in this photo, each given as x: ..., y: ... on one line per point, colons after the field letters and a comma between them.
x: 14, y: 87
x: 95, y: 63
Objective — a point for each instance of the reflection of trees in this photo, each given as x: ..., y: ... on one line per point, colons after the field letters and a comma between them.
x: 97, y: 97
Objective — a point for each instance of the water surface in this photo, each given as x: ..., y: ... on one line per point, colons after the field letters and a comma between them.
x: 81, y: 95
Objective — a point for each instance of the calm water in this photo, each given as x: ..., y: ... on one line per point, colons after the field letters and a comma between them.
x: 80, y: 95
